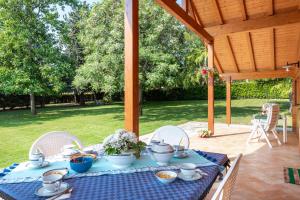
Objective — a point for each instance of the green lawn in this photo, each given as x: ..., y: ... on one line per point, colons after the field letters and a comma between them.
x: 18, y: 129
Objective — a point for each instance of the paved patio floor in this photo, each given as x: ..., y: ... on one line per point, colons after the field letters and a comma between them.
x: 261, y: 169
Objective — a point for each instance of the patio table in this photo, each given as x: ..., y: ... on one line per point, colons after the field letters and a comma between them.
x: 139, y: 185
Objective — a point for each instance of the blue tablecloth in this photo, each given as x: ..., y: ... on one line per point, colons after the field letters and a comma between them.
x: 137, y: 186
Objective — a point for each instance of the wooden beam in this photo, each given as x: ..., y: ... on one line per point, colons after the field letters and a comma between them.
x: 174, y: 9
x: 250, y: 49
x: 254, y: 24
x: 218, y: 64
x: 210, y: 90
x: 230, y: 49
x: 280, y: 73
x: 228, y: 101
x: 218, y: 11
x: 273, y: 49
x: 298, y: 46
x: 243, y: 9
x: 196, y: 13
x: 131, y: 66
x: 270, y: 7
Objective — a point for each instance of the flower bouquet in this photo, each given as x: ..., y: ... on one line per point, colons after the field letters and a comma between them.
x: 122, y: 148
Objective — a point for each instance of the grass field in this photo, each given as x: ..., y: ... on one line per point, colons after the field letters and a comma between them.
x: 18, y: 129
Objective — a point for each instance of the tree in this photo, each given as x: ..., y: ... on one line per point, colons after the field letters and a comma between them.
x: 163, y: 49
x: 102, y: 39
x: 74, y: 49
x: 31, y: 55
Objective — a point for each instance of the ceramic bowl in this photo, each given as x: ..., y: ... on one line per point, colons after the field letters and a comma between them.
x: 162, y: 159
x: 166, y: 176
x: 121, y: 161
x: 81, y: 164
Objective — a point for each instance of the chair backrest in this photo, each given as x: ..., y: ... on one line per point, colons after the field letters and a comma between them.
x: 172, y: 135
x: 225, y: 188
x: 272, y: 116
x: 52, y: 143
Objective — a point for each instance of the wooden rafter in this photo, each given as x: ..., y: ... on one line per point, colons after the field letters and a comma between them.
x: 230, y: 49
x: 273, y: 49
x: 218, y: 11
x: 196, y: 13
x: 254, y: 24
x: 250, y: 49
x: 279, y: 73
x: 270, y: 7
x: 218, y: 64
x: 174, y: 9
x: 243, y: 9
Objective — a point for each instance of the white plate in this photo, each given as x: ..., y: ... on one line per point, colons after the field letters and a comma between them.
x: 42, y: 192
x: 197, y: 176
x: 45, y: 164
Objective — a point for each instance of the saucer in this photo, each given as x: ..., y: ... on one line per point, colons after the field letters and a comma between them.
x: 197, y: 176
x: 45, y: 164
x: 183, y: 155
x: 42, y: 192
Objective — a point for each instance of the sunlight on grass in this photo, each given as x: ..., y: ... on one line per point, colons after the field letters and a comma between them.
x: 18, y: 129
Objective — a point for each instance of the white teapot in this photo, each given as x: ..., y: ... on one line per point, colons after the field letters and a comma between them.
x: 37, y: 158
x: 162, y: 153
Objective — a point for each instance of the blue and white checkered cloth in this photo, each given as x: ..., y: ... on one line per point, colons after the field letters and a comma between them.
x: 135, y: 186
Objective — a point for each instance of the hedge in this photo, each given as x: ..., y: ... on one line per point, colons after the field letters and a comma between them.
x: 271, y: 89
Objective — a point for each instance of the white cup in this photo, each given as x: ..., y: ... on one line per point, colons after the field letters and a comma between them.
x: 52, y: 182
x: 188, y: 169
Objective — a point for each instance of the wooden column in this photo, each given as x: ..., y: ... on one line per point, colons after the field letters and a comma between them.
x: 296, y: 108
x: 228, y: 101
x: 210, y: 90
x: 294, y: 103
x: 131, y: 66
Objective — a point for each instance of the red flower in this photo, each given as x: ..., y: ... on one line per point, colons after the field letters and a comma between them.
x: 204, y: 72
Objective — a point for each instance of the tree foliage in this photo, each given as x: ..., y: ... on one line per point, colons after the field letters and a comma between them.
x: 165, y: 49
x: 31, y: 54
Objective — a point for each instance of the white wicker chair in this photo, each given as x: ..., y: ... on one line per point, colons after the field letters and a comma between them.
x: 51, y: 143
x: 172, y: 135
x: 262, y: 128
x: 225, y: 188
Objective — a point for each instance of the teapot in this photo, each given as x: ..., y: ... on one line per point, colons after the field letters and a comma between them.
x: 162, y: 153
x: 37, y: 158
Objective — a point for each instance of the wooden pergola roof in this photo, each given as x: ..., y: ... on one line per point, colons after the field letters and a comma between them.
x: 252, y: 38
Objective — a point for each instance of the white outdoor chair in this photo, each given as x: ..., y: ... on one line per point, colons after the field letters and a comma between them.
x: 172, y: 135
x: 262, y: 128
x: 51, y: 143
x: 225, y: 188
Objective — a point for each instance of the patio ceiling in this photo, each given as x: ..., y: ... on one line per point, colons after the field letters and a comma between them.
x: 252, y: 39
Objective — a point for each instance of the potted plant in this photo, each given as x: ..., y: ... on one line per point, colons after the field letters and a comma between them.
x: 122, y: 148
x: 205, y: 133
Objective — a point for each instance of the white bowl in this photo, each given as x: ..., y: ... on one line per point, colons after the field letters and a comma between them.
x: 172, y: 174
x: 121, y: 161
x: 162, y: 159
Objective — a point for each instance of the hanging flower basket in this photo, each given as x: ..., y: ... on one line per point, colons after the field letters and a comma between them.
x: 205, y: 71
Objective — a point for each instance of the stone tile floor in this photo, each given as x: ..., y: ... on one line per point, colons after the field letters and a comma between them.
x: 261, y: 169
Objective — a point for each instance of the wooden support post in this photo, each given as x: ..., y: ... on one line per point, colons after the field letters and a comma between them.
x: 294, y: 104
x: 228, y: 101
x: 210, y: 90
x: 131, y: 66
